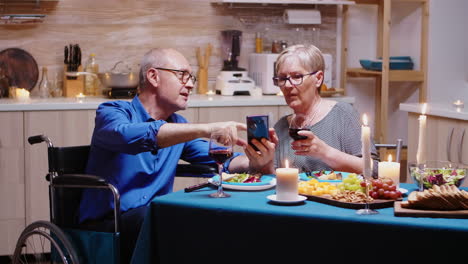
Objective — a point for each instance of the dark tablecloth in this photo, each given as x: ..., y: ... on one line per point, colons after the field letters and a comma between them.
x: 248, y: 228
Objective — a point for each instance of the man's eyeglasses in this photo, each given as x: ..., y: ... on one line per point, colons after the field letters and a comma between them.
x: 183, y: 76
x: 295, y: 79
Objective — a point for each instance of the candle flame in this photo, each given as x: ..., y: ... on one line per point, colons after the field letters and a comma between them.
x: 389, y: 157
x: 364, y: 119
x: 286, y: 163
x: 424, y: 108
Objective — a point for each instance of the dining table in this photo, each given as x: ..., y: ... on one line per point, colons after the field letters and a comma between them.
x: 247, y: 227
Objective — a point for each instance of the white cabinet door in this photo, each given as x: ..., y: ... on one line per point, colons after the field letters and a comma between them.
x: 12, y: 213
x: 64, y: 128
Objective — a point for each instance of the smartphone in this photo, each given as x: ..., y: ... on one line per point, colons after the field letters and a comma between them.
x: 257, y: 127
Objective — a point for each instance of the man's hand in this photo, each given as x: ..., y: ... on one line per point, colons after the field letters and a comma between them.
x: 229, y: 127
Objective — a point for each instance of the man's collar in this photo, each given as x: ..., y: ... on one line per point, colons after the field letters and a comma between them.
x: 140, y: 109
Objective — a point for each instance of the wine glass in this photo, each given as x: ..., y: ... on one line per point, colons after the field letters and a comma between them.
x: 366, y: 210
x: 221, y: 144
x: 295, y: 125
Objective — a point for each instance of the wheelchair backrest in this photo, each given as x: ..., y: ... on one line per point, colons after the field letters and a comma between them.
x: 67, y: 160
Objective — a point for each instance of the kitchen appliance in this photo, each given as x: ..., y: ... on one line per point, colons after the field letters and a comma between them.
x: 232, y: 80
x: 262, y: 71
x: 120, y: 83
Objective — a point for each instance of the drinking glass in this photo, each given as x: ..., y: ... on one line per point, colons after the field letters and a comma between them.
x: 366, y: 210
x: 221, y: 144
x: 296, y: 125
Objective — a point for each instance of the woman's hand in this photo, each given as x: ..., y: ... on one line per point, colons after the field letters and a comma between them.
x: 311, y: 146
x: 262, y: 160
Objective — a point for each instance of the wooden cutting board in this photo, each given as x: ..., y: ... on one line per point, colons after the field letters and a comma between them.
x: 399, y: 211
x: 375, y: 204
x: 20, y: 67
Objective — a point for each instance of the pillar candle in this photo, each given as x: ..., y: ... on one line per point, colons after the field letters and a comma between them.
x: 366, y: 148
x: 286, y: 183
x: 389, y: 169
x: 22, y: 95
x: 421, y: 153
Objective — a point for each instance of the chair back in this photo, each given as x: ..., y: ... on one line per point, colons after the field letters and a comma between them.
x: 66, y: 201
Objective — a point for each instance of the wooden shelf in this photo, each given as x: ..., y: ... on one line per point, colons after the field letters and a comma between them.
x: 394, y: 75
x: 297, y: 2
x: 386, y: 76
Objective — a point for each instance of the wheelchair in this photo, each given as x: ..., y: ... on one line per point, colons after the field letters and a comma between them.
x: 62, y: 240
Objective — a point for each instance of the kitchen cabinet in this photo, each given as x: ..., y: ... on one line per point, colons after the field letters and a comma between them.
x: 446, y: 139
x: 12, y: 198
x: 384, y: 78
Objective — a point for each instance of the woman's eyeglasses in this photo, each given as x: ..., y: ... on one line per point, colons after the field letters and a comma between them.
x: 183, y: 76
x: 295, y: 79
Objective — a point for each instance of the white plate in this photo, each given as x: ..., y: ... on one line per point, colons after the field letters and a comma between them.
x: 402, y: 190
x: 247, y: 187
x: 298, y: 199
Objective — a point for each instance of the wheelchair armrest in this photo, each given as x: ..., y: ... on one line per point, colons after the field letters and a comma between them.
x: 80, y: 179
x: 195, y: 170
x: 90, y: 181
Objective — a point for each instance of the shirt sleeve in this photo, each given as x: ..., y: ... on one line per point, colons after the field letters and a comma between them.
x: 117, y: 130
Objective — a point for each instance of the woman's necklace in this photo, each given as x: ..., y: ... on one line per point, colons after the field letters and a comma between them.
x: 308, y: 121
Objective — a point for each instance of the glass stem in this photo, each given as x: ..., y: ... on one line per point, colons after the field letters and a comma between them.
x: 366, y: 206
x: 220, y: 170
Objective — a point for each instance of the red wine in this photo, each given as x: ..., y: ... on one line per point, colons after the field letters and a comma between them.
x: 294, y: 135
x: 221, y: 155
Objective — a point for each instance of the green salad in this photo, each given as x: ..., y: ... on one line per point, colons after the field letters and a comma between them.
x: 441, y: 176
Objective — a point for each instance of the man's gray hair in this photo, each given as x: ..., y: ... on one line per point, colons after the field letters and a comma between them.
x: 154, y: 58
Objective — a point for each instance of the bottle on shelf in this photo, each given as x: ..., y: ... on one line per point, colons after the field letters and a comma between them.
x: 91, y: 86
x: 44, y: 85
x: 258, y: 43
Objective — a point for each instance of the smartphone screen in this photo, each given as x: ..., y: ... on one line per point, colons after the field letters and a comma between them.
x: 257, y: 127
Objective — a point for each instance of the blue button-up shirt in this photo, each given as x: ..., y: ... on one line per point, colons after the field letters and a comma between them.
x: 124, y: 151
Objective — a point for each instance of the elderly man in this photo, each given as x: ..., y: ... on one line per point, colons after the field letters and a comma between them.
x: 136, y: 145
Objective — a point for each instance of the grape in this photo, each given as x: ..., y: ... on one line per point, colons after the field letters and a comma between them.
x: 384, y: 189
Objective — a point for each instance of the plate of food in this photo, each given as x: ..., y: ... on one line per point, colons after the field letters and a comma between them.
x: 245, y: 181
x: 324, y: 176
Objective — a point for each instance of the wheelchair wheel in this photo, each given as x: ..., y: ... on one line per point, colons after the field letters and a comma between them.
x: 44, y: 242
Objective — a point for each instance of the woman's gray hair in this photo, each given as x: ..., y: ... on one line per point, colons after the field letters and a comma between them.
x: 310, y: 57
x: 152, y: 59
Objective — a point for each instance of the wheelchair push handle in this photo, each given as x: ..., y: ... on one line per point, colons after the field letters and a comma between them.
x: 39, y: 139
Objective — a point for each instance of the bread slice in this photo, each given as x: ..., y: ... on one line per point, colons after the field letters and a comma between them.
x: 438, y: 198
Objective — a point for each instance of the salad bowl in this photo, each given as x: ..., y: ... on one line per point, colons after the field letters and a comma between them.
x: 437, y: 173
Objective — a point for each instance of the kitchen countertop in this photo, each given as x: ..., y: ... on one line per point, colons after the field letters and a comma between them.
x: 89, y: 103
x: 438, y: 109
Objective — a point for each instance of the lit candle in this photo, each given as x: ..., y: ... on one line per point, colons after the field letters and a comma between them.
x: 80, y: 97
x: 421, y: 153
x: 366, y: 148
x: 22, y: 95
x: 286, y: 183
x: 458, y: 104
x: 389, y: 169
x: 210, y: 92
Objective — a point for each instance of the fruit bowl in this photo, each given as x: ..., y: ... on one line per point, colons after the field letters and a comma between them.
x: 437, y: 173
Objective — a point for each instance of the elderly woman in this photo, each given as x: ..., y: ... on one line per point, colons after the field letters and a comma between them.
x: 331, y: 130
